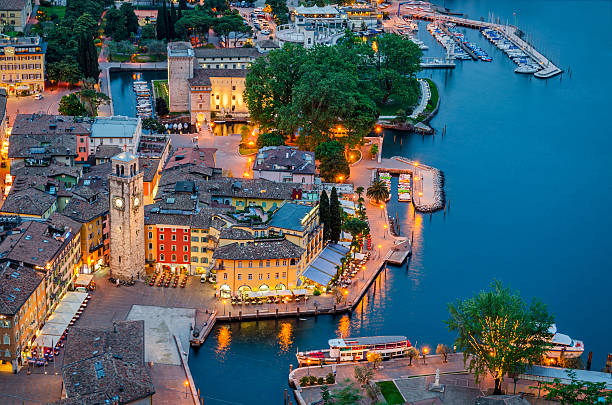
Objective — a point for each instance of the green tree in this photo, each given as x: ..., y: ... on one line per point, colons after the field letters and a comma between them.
x: 162, y: 22
x: 148, y: 32
x: 363, y: 375
x: 374, y: 358
x: 88, y: 57
x: 86, y: 24
x: 326, y: 396
x: 333, y: 166
x: 182, y: 5
x: 412, y: 353
x: 172, y: 19
x: 378, y: 191
x: 131, y: 20
x: 229, y: 23
x: 153, y: 125
x: 374, y: 150
x: 499, y: 333
x: 194, y: 23
x: 64, y: 72
x: 161, y: 108
x: 443, y: 351
x: 324, y: 215
x: 398, y: 61
x: 335, y: 215
x: 356, y: 227
x: 270, y: 139
x: 577, y: 392
x: 92, y: 99
x: 280, y: 11
x: 347, y: 395
x: 71, y: 105
x: 112, y: 20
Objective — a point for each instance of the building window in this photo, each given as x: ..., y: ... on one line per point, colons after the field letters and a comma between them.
x: 195, y: 239
x: 250, y: 276
x: 194, y: 249
x: 161, y: 257
x: 239, y: 264
x: 284, y: 274
x: 234, y: 87
x: 239, y: 276
x: 7, y: 339
x: 173, y: 248
x: 267, y: 263
x: 205, y: 260
x: 150, y: 235
x: 161, y: 247
x: 277, y: 262
x: 150, y: 246
x: 173, y: 237
x: 185, y: 238
x: 261, y: 276
x: 261, y: 263
x: 250, y: 264
x: 161, y: 236
x: 284, y: 262
x: 185, y: 248
x: 173, y: 258
x: 186, y: 258
x: 173, y: 229
x: 194, y: 259
x: 224, y: 276
x: 276, y: 275
x: 268, y: 276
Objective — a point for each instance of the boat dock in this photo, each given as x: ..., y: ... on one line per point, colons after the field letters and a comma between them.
x: 204, y: 331
x: 549, y: 69
x: 399, y: 253
x: 467, y: 50
x: 436, y: 63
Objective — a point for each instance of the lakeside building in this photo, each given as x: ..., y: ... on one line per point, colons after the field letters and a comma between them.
x: 22, y: 310
x: 103, y: 366
x: 226, y: 58
x: 43, y: 138
x: 257, y: 265
x: 22, y: 64
x: 124, y: 132
x: 285, y: 164
x: 52, y: 247
x: 205, y: 92
x: 14, y: 14
x: 3, y: 125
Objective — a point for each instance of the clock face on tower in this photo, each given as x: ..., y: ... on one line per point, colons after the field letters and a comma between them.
x: 136, y: 202
x: 118, y: 203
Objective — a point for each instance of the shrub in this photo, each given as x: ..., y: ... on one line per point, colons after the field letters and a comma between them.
x: 316, y: 292
x: 305, y: 381
x: 313, y: 380
x: 320, y: 381
x: 330, y: 379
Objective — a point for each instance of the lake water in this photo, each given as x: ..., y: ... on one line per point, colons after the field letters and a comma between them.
x: 528, y: 176
x: 124, y: 97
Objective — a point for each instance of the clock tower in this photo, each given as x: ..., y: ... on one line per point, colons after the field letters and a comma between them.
x: 127, y: 245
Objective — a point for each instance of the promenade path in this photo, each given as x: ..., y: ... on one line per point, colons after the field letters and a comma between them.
x: 423, y: 100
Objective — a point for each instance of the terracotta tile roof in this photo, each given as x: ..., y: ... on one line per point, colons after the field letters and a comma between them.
x: 12, y: 5
x: 200, y: 157
x: 86, y: 210
x: 54, y: 169
x: 108, y: 364
x: 285, y: 159
x: 45, y: 124
x: 149, y: 166
x: 17, y: 284
x: 259, y: 250
x: 107, y: 151
x: 235, y: 234
x: 201, y: 77
x: 29, y: 201
x: 226, y: 53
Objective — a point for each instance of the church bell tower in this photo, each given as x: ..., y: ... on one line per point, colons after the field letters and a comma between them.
x: 127, y: 245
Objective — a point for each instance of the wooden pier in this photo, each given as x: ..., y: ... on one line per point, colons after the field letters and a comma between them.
x: 399, y: 253
x: 205, y: 330
x: 463, y: 46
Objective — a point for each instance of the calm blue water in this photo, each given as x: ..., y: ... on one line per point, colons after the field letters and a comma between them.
x: 529, y: 182
x: 124, y: 98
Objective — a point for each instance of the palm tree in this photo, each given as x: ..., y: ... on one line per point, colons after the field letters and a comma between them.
x: 378, y: 191
x: 359, y: 191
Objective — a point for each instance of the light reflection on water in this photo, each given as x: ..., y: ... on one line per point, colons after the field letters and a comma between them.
x: 224, y: 338
x: 285, y: 336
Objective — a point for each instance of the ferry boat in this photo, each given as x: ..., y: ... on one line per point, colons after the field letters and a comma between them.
x: 386, y: 178
x: 356, y: 349
x: 403, y: 187
x: 564, y: 345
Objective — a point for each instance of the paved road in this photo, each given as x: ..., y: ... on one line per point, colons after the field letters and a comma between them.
x: 28, y: 105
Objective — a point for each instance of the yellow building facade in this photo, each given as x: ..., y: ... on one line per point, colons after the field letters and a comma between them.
x: 22, y: 65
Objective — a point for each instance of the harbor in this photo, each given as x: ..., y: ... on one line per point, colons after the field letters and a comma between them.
x: 546, y: 68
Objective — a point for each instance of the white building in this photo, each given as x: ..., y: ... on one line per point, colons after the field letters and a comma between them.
x: 120, y: 131
x: 313, y: 25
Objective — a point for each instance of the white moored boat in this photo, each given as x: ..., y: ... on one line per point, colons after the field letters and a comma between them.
x: 564, y: 345
x: 356, y: 349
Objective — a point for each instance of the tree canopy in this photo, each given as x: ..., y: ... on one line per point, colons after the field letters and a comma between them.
x: 333, y: 166
x: 577, y: 392
x: 331, y: 92
x: 71, y: 105
x: 498, y: 333
x: 270, y: 139
x: 378, y: 191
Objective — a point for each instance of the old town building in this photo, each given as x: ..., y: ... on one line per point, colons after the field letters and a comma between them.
x: 22, y: 63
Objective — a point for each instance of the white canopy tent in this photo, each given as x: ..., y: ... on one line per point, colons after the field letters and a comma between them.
x: 60, y: 319
x: 302, y: 291
x: 83, y: 280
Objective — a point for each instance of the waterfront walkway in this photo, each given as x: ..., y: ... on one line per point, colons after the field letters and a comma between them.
x: 423, y: 100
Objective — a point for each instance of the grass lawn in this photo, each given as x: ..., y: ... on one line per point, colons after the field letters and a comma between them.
x: 390, y: 392
x: 59, y: 11
x: 245, y: 150
x: 161, y: 89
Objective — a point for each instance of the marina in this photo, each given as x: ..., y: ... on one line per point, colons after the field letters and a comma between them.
x: 144, y: 106
x: 547, y: 68
x: 356, y: 349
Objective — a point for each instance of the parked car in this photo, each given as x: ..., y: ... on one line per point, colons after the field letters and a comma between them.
x: 265, y: 32
x: 38, y: 96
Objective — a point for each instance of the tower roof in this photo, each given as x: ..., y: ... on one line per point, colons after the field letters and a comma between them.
x: 125, y: 157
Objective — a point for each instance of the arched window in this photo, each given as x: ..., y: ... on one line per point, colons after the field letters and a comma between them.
x: 264, y: 287
x: 280, y: 286
x: 117, y: 169
x: 122, y: 171
x: 292, y: 262
x: 225, y: 291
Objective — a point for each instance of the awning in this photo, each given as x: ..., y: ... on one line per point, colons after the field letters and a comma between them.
x: 359, y: 256
x: 301, y: 291
x: 83, y: 280
x: 283, y: 292
x: 60, y: 319
x: 323, y: 267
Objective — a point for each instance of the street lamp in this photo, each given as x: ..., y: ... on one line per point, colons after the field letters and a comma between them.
x: 379, y: 247
x: 425, y: 351
x: 382, y: 208
x: 308, y: 367
x: 186, y: 385
x: 385, y: 233
x: 224, y: 302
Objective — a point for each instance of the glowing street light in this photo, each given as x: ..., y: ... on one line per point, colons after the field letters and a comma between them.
x: 186, y: 385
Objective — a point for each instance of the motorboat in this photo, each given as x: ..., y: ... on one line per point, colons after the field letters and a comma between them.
x: 563, y: 345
